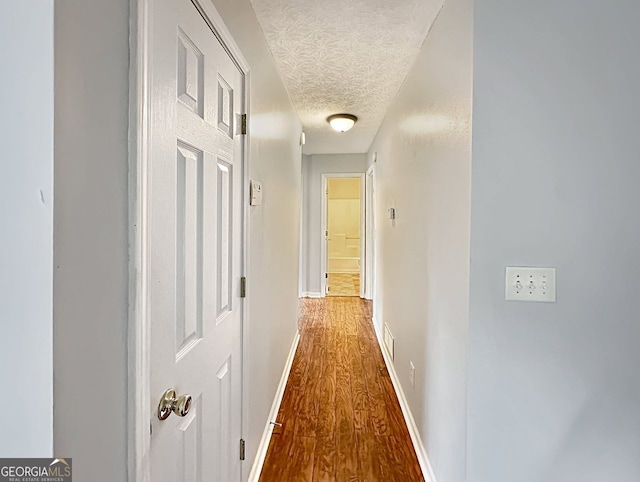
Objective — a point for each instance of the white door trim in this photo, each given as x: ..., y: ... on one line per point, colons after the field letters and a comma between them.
x: 323, y: 240
x: 139, y: 339
x: 370, y: 250
x: 302, y: 268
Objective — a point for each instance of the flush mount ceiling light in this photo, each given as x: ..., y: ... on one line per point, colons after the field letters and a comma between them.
x: 342, y: 122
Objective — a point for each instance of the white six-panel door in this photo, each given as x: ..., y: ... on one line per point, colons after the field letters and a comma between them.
x: 194, y: 245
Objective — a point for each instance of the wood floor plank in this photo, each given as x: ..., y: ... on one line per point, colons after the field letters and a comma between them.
x: 301, y: 462
x: 308, y: 406
x: 394, y: 461
x: 373, y: 369
x: 359, y: 390
x: 394, y: 412
x: 326, y: 420
x: 279, y: 448
x: 341, y: 418
x: 324, y: 467
x: 369, y: 467
x: 380, y: 420
x: 347, y: 457
x: 344, y: 405
x: 362, y: 424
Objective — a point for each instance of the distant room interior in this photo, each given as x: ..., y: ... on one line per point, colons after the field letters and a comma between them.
x: 343, y: 240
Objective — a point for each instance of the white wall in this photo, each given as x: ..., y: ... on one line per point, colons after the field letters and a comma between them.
x: 91, y: 236
x: 275, y: 156
x: 423, y: 171
x: 316, y: 166
x: 26, y: 254
x: 554, y: 390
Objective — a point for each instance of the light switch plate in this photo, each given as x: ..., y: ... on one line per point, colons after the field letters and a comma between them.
x: 530, y: 284
x: 255, y: 190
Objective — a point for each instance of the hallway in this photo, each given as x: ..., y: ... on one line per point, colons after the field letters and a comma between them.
x: 171, y: 136
x: 341, y: 420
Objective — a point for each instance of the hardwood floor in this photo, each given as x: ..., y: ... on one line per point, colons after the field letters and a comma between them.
x: 341, y: 420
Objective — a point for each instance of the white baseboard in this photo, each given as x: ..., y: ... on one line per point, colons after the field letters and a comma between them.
x: 311, y: 294
x: 256, y: 469
x: 421, y: 452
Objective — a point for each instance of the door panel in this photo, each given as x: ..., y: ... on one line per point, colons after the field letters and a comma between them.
x: 190, y: 74
x: 190, y: 454
x: 223, y: 414
x: 194, y: 243
x: 224, y: 237
x: 189, y: 259
x: 225, y: 107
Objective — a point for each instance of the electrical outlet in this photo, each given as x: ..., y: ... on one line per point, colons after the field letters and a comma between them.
x: 412, y: 374
x: 389, y: 341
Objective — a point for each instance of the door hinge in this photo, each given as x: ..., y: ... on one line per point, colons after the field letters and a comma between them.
x: 242, y: 449
x: 243, y: 126
x: 243, y: 287
x: 326, y: 233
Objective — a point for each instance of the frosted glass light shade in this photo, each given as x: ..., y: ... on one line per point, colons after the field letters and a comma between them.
x: 342, y: 122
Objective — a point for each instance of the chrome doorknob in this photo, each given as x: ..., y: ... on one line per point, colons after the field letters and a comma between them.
x: 171, y: 402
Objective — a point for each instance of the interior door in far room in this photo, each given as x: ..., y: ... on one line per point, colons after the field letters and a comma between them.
x: 343, y: 233
x: 195, y: 248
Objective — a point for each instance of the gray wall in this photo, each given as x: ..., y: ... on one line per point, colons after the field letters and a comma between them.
x: 423, y: 171
x: 316, y: 166
x: 26, y: 217
x: 91, y: 236
x: 554, y: 390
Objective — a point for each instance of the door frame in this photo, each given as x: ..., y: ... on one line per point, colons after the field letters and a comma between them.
x: 139, y: 394
x: 370, y: 239
x: 323, y: 237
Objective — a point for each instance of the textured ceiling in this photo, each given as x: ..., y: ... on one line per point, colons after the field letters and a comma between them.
x: 344, y: 56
